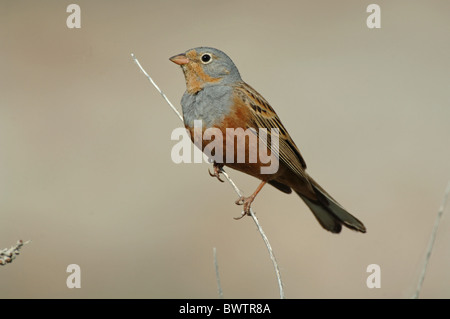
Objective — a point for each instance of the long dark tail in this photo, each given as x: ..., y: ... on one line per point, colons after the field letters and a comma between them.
x: 330, y: 214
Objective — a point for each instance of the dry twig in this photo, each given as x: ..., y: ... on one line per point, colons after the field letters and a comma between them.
x: 7, y: 255
x: 216, y: 267
x: 431, y: 243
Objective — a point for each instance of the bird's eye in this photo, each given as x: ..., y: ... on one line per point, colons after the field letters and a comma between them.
x: 206, y: 58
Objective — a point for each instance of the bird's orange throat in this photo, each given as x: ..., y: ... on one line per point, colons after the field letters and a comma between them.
x: 195, y: 77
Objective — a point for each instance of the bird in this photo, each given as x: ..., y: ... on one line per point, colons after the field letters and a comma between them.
x: 217, y: 96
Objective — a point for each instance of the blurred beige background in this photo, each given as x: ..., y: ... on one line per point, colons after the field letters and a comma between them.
x: 86, y: 173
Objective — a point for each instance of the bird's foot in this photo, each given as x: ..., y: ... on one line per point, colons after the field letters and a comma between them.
x: 246, y: 202
x: 217, y: 170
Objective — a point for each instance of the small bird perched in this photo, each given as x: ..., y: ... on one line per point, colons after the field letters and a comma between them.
x: 216, y: 95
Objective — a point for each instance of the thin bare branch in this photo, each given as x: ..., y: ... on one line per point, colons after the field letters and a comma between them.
x: 431, y: 242
x: 157, y: 87
x: 236, y: 189
x: 263, y: 235
x: 216, y: 267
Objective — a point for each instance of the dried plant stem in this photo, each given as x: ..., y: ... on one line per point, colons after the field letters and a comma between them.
x: 216, y: 267
x: 157, y: 87
x: 236, y: 189
x: 7, y: 255
x: 263, y: 235
x: 431, y: 242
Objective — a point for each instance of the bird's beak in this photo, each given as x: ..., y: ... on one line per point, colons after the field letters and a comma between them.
x: 179, y: 59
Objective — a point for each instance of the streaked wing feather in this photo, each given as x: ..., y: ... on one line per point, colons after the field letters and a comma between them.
x: 265, y: 117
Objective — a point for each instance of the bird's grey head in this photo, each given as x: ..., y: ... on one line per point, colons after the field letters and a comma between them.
x: 205, y: 66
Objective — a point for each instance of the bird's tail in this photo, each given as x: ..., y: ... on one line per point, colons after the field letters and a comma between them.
x: 330, y: 214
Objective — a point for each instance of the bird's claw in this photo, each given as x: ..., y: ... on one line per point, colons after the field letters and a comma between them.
x: 217, y: 171
x: 240, y: 217
x: 247, y: 202
x: 215, y: 174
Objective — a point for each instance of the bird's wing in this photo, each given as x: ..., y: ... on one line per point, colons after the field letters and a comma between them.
x: 263, y: 116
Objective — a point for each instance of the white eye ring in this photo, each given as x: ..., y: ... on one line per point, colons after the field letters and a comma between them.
x: 206, y: 58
